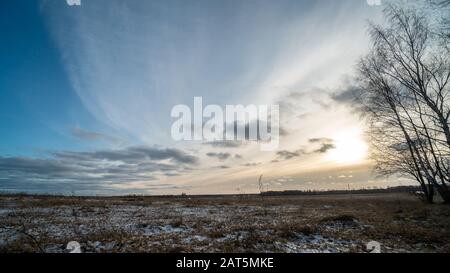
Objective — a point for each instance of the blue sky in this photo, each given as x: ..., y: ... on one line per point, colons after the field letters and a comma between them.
x: 86, y: 93
x: 38, y: 105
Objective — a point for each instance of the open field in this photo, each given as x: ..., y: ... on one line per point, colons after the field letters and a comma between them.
x: 329, y: 223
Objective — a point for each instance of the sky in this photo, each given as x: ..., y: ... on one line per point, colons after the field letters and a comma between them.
x: 86, y: 93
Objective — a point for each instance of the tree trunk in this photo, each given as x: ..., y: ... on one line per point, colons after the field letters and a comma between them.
x: 445, y: 194
x: 429, y: 194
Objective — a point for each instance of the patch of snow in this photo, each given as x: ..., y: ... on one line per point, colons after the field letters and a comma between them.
x: 155, y: 230
x: 315, y: 244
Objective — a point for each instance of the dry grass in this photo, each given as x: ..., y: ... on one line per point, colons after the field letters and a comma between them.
x: 332, y: 223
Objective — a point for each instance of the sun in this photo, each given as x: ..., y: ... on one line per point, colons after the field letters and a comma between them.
x: 350, y: 148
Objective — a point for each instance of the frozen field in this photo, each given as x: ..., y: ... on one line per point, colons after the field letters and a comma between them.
x: 337, y: 223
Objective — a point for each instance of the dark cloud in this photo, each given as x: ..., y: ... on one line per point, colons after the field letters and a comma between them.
x: 92, y: 170
x: 324, y: 148
x: 320, y: 140
x: 220, y: 156
x: 132, y: 155
x: 225, y: 143
x: 347, y: 95
x: 285, y: 155
x: 318, y: 146
x: 325, y: 144
x: 252, y: 164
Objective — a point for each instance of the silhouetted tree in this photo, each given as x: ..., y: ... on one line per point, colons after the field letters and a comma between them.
x: 405, y: 99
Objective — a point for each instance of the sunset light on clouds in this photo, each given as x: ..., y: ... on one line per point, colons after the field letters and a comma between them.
x: 101, y: 123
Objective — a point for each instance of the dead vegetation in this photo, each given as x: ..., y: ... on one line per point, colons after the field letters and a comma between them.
x: 335, y: 223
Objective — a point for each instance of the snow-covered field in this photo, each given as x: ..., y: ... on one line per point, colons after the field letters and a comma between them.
x: 340, y: 223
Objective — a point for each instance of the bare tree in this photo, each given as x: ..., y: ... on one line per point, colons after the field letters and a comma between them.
x: 405, y: 98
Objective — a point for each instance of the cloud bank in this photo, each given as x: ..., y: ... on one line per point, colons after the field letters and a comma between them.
x: 98, y: 170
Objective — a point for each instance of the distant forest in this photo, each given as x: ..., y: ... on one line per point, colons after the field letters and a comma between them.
x: 398, y: 189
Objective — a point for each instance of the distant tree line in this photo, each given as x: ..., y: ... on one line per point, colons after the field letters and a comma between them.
x: 398, y: 189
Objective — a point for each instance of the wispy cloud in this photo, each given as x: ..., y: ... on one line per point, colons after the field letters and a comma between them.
x: 93, y: 136
x: 130, y: 63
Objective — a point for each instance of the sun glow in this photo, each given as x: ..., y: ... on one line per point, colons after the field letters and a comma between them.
x: 350, y: 148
